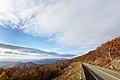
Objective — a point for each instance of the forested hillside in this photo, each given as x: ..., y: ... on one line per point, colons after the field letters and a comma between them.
x: 34, y: 73
x: 107, y: 55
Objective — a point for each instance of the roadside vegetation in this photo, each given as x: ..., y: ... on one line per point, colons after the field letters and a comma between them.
x: 72, y: 72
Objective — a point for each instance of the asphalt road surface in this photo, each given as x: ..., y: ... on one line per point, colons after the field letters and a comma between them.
x: 103, y: 73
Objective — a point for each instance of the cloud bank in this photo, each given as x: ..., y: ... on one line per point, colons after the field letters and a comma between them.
x: 6, y: 53
x: 69, y: 23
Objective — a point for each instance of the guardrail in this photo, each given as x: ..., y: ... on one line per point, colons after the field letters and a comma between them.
x: 82, y: 74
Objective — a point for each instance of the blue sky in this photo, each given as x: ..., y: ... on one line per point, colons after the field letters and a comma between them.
x: 64, y: 26
x: 18, y: 37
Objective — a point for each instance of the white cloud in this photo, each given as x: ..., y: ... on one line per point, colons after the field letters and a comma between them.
x: 71, y: 23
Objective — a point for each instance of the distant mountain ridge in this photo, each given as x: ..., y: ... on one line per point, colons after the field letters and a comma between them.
x: 9, y: 64
x: 21, y: 64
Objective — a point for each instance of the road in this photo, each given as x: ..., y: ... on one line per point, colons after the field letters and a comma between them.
x: 102, y: 73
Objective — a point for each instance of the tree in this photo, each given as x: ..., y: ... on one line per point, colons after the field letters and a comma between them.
x: 3, y: 76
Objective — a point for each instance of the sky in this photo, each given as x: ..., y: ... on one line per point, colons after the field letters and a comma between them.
x: 63, y: 26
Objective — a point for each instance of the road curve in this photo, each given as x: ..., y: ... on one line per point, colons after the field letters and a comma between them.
x: 102, y: 73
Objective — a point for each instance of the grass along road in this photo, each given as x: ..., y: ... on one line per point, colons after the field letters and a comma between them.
x: 72, y: 72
